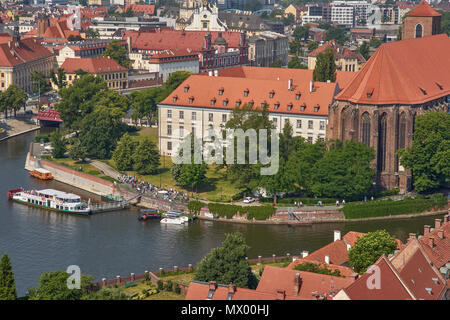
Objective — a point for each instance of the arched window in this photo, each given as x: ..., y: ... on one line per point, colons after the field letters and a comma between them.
x: 402, y: 131
x: 419, y: 31
x: 382, y: 132
x: 365, y: 128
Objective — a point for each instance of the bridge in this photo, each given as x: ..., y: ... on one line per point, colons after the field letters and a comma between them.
x: 49, y: 117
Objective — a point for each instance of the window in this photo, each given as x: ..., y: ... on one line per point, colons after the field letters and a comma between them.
x: 276, y: 105
x: 186, y: 89
x: 299, y: 124
x: 251, y: 103
x: 419, y: 31
x: 316, y: 108
x: 220, y: 91
x: 175, y: 98
x: 310, y: 140
x: 211, y: 117
x: 169, y: 145
x: 322, y: 125
x: 402, y: 131
x: 191, y: 99
x: 238, y: 103
x: 271, y: 94
x: 213, y: 102
x: 286, y: 121
x: 297, y: 96
x: 205, y: 25
x: 169, y: 114
x: 246, y: 93
x: 194, y: 116
x: 193, y: 131
x: 365, y: 136
x: 169, y: 129
x: 302, y: 108
x: 181, y: 114
x: 181, y: 131
x: 225, y: 102
x: 310, y: 124
x: 224, y: 118
x: 274, y: 120
x: 382, y: 136
x: 290, y: 106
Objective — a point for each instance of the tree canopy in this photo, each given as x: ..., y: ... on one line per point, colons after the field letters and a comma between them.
x: 227, y: 264
x: 369, y: 248
x: 429, y: 154
x: 118, y: 53
x: 295, y: 63
x: 325, y: 68
x: 7, y: 282
x: 146, y: 157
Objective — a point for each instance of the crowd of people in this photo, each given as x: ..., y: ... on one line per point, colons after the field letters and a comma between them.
x: 148, y: 189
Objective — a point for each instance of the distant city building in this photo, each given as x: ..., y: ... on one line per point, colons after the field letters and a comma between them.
x: 345, y: 59
x: 108, y: 26
x: 205, y: 18
x: 268, y: 47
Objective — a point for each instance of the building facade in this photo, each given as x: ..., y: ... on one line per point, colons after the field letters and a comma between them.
x: 268, y: 47
x: 421, y: 22
x: 345, y: 59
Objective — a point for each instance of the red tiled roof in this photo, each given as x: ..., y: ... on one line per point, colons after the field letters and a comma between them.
x: 206, y: 88
x: 423, y: 10
x: 391, y: 286
x: 275, y: 278
x: 338, y: 51
x: 336, y: 250
x: 145, y: 8
x: 92, y: 65
x: 199, y: 291
x: 344, y: 271
x: 409, y: 72
x: 440, y: 253
x: 28, y: 50
x: 163, y: 39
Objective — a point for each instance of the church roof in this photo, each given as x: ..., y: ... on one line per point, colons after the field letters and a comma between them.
x: 423, y: 10
x: 409, y: 72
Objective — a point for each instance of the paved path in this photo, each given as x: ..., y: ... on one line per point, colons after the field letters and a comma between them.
x: 106, y: 169
x: 14, y: 127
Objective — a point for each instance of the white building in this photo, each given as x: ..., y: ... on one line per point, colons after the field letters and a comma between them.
x: 206, y: 18
x: 205, y: 102
x: 170, y: 61
x: 342, y: 14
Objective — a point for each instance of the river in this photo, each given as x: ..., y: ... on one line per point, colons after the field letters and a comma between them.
x: 116, y: 243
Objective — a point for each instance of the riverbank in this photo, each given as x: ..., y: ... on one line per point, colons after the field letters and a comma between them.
x: 16, y: 127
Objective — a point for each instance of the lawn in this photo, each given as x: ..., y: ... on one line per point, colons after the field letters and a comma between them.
x: 217, y: 189
x: 81, y: 167
x: 183, y: 278
x: 162, y: 295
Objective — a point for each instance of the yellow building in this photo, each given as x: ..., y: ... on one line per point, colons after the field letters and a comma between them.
x: 296, y: 11
x: 345, y: 59
x: 20, y: 58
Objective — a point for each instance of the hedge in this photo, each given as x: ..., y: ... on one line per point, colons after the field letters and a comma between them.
x: 228, y: 211
x: 195, y: 206
x: 389, y: 207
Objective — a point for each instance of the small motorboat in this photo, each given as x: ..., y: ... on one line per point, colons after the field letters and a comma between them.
x: 149, y: 216
x: 149, y: 210
x: 172, y: 221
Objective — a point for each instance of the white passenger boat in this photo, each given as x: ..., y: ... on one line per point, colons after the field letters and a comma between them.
x: 172, y: 220
x: 52, y: 199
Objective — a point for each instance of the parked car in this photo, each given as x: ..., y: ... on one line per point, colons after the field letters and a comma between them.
x: 249, y: 199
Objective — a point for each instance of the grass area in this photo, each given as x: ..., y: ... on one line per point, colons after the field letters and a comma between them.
x: 162, y: 295
x: 183, y: 278
x: 217, y: 188
x: 81, y: 167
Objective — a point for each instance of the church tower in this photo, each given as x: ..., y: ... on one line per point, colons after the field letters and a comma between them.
x: 421, y: 22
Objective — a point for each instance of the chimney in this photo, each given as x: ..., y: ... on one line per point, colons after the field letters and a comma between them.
x: 129, y: 44
x: 440, y: 233
x: 231, y: 288
x: 212, y: 285
x: 348, y: 246
x: 337, y: 235
x: 290, y: 84
x: 281, y: 294
x: 327, y: 259
x: 304, y: 253
x: 297, y: 284
x: 216, y: 73
x: 426, y: 229
x: 446, y: 218
x: 311, y: 86
x: 354, y: 276
x: 210, y: 73
x: 412, y: 236
x: 431, y: 242
x: 437, y: 223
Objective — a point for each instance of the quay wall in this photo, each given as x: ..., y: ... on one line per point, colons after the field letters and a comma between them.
x: 72, y: 177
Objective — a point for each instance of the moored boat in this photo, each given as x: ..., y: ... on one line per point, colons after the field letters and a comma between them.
x: 149, y: 216
x: 50, y: 199
x: 42, y: 174
x: 172, y: 221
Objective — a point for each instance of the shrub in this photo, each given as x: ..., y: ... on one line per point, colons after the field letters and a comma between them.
x: 315, y: 268
x: 228, y: 211
x: 177, y: 289
x: 169, y: 285
x: 389, y: 207
x: 44, y: 137
x: 160, y: 285
x: 195, y: 206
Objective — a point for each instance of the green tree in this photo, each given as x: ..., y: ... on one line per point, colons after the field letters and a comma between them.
x: 175, y: 80
x: 118, y: 53
x: 144, y: 103
x: 123, y: 154
x: 146, y: 157
x: 369, y: 248
x: 92, y: 34
x: 75, y: 103
x: 375, y: 42
x: 39, y: 82
x: 364, y: 50
x: 227, y: 264
x: 53, y: 286
x: 344, y: 171
x: 289, y: 19
x: 75, y: 38
x: 295, y: 47
x: 276, y: 64
x: 58, y: 78
x: 78, y: 151
x: 295, y: 63
x: 325, y: 67
x: 313, y: 45
x: 445, y: 22
x: 429, y: 154
x: 12, y: 99
x: 300, y: 33
x: 7, y: 282
x: 335, y: 33
x: 100, y: 131
x: 58, y: 144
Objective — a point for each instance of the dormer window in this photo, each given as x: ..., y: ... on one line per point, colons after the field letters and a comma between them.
x: 238, y: 103
x: 316, y: 108
x: 186, y: 88
x: 246, y: 92
x: 289, y: 106
x: 369, y: 93
x: 251, y: 103
x: 220, y: 91
x: 225, y: 102
x: 271, y: 94
x: 213, y: 101
x: 191, y: 99
x: 276, y: 105
x: 175, y: 98
x: 298, y: 95
x: 302, y: 107
x: 263, y: 104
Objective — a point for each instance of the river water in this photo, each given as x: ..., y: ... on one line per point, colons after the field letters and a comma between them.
x: 116, y: 243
